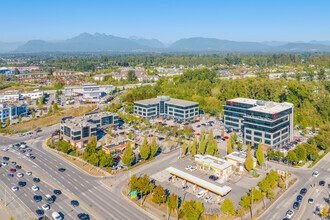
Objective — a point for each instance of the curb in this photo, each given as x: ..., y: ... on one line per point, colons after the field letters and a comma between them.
x: 45, y: 147
x: 148, y: 213
x: 278, y: 199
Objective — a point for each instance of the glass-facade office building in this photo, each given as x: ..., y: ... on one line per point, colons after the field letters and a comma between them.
x: 78, y: 131
x: 267, y: 122
x: 168, y: 108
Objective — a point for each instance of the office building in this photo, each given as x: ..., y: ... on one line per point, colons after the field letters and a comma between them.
x: 168, y: 108
x: 15, y: 95
x: 89, y: 91
x: 78, y: 131
x: 12, y: 111
x: 267, y: 122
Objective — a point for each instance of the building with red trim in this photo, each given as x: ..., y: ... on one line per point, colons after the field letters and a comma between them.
x: 265, y: 122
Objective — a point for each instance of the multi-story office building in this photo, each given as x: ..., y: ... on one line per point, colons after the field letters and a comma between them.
x: 78, y: 131
x: 166, y: 107
x: 267, y: 122
x: 12, y: 111
x: 90, y: 90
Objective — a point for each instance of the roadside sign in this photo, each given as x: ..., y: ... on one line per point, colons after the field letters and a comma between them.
x: 133, y: 194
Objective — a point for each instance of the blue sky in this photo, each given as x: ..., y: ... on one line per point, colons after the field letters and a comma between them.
x: 167, y: 20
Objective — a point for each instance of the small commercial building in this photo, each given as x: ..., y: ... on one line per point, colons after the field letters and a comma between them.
x: 15, y: 95
x: 238, y: 159
x: 118, y: 147
x: 78, y: 131
x: 270, y: 123
x: 167, y: 108
x: 12, y: 111
x: 217, y: 166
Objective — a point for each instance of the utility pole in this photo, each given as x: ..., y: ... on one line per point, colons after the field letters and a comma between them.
x: 286, y: 179
x: 252, y: 203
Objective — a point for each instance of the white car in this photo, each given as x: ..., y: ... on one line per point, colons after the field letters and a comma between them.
x: 14, y: 188
x: 201, y: 194
x: 29, y: 173
x: 315, y: 174
x: 5, y: 149
x: 192, y: 169
x: 35, y: 188
x: 207, y: 198
x: 4, y: 164
x: 289, y: 214
x: 45, y: 207
x: 188, y: 167
x: 28, y: 154
x: 20, y: 175
x: 56, y: 216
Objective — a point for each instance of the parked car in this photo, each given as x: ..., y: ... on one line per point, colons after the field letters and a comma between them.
x: 322, y: 183
x: 289, y: 213
x: 303, y: 191
x: 315, y: 174
x: 296, y: 205
x: 214, y: 178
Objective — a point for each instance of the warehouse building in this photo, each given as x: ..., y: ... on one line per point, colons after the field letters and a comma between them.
x: 78, y: 131
x: 89, y: 91
x: 167, y: 108
x: 267, y: 122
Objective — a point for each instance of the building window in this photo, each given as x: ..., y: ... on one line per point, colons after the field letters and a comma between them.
x: 257, y: 139
x: 248, y: 137
x: 267, y: 135
x: 248, y: 131
x: 267, y: 142
x: 258, y: 133
x: 85, y: 132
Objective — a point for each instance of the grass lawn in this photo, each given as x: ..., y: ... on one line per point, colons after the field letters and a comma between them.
x: 49, y: 119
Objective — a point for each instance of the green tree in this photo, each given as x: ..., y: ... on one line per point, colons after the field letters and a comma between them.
x: 234, y: 137
x: 194, y: 147
x: 239, y: 146
x: 245, y: 201
x: 33, y: 114
x: 20, y: 118
x: 192, y: 210
x: 159, y: 195
x: 184, y: 147
x: 229, y: 146
x: 189, y: 146
x: 106, y: 160
x: 145, y: 185
x: 324, y: 211
x: 321, y: 75
x: 172, y: 202
x: 128, y: 155
x: 37, y: 101
x: 50, y: 110
x: 292, y: 157
x: 301, y: 152
x: 249, y: 160
x: 255, y: 194
x: 271, y: 194
x: 264, y: 185
x: 93, y: 159
x: 202, y: 145
x: 131, y: 77
x: 227, y: 206
x: 130, y: 135
x: 134, y: 183
x: 260, y: 154
x: 8, y: 121
x: 145, y: 149
x: 153, y: 147
x: 65, y: 148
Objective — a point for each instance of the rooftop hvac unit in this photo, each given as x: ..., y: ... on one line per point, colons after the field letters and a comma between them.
x: 261, y: 102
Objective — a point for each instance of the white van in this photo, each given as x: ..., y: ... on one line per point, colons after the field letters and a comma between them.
x: 56, y: 216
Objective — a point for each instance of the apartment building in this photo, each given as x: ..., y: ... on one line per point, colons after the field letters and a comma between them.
x: 12, y: 111
x: 168, y: 108
x: 267, y: 122
x: 78, y: 131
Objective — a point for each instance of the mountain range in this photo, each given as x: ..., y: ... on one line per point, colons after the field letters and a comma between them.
x: 97, y: 42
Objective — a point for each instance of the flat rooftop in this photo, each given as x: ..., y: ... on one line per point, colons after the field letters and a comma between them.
x: 272, y: 107
x: 220, y: 190
x: 244, y: 100
x: 212, y: 161
x: 82, y: 121
x: 238, y: 156
x: 167, y: 100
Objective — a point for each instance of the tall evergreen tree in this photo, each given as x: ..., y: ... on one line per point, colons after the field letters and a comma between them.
x: 260, y: 154
x: 128, y: 155
x: 189, y: 146
x: 184, y: 147
x: 145, y: 149
x: 229, y: 146
x: 194, y: 147
x: 202, y: 145
x: 153, y: 147
x: 249, y: 160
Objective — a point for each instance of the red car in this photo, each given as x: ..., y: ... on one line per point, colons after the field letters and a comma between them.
x: 225, y: 137
x: 198, y: 134
x: 12, y: 170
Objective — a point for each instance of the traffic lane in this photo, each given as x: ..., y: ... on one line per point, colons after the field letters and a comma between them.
x: 72, y: 179
x: 61, y: 204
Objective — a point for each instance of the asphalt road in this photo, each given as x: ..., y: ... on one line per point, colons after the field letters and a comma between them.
x: 282, y: 205
x: 101, y: 202
x: 25, y: 194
